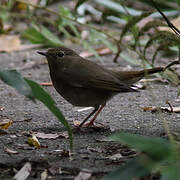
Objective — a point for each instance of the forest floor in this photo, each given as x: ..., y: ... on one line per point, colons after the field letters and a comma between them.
x: 94, y: 154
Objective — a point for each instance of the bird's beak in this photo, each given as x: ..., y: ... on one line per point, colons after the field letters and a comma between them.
x: 44, y: 53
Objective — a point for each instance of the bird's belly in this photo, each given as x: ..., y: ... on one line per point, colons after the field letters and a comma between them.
x: 84, y: 97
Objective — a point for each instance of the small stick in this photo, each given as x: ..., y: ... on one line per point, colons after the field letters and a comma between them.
x: 171, y: 108
x: 175, y: 29
x: 171, y: 64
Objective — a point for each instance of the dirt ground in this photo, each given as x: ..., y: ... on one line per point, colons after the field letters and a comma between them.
x: 92, y: 153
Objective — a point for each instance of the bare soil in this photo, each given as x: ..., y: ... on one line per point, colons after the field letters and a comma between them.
x: 92, y: 152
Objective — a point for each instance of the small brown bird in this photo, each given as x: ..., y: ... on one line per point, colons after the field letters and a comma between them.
x: 85, y: 83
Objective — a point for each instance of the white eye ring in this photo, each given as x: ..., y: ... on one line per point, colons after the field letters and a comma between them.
x: 60, y: 54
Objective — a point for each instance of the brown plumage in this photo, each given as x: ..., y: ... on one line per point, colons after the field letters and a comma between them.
x: 85, y: 83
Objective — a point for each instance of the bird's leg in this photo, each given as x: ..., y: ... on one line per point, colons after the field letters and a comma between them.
x: 95, y: 110
x: 91, y: 123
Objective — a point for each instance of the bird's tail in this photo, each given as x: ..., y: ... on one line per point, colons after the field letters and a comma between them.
x: 131, y: 77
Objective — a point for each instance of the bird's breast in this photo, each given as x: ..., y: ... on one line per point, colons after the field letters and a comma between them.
x: 79, y: 96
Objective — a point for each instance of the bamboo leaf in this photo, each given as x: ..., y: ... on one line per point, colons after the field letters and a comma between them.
x: 163, y: 37
x: 133, y: 20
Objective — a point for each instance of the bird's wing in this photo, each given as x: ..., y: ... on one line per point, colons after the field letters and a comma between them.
x: 82, y: 73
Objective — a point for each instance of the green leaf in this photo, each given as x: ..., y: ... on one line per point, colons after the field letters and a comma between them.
x: 46, y: 99
x: 178, y: 1
x: 34, y: 36
x: 164, y: 46
x: 64, y: 22
x: 54, y: 40
x: 97, y: 38
x: 129, y: 59
x: 131, y: 170
x: 156, y: 148
x: 14, y: 79
x: 116, y: 6
x: 133, y: 20
x: 152, y: 24
x: 171, y: 172
x: 91, y: 49
x: 100, y: 38
x: 65, y: 11
x: 41, y: 35
x: 158, y: 154
x: 163, y: 37
x: 4, y: 15
x: 172, y: 76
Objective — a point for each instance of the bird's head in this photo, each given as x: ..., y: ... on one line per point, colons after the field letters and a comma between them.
x: 57, y: 53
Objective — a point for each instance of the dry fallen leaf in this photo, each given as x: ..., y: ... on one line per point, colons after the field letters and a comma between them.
x: 51, y: 136
x: 5, y: 122
x: 160, y: 80
x: 144, y: 21
x: 175, y: 22
x: 166, y: 109
x: 20, y: 6
x: 9, y: 43
x: 104, y: 140
x: 115, y: 157
x: 83, y: 175
x: 13, y: 136
x: 9, y: 151
x: 33, y: 141
x: 76, y: 122
x: 24, y: 172
x: 100, y: 51
x: 29, y: 46
x: 55, y: 170
x: 44, y: 174
x: 2, y: 108
x: 24, y: 147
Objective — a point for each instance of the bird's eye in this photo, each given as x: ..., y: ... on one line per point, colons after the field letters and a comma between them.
x: 60, y: 54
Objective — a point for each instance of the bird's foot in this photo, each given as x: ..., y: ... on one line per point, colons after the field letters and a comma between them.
x: 89, y: 124
x: 94, y: 125
x: 89, y: 127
